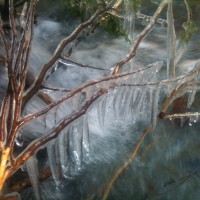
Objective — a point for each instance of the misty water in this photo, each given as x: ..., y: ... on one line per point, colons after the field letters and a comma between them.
x: 167, y: 164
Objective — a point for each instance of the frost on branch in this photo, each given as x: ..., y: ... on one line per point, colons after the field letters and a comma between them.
x: 32, y: 169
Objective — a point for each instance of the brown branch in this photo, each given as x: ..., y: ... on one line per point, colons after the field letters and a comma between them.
x: 169, y: 99
x: 37, y: 85
x: 139, y: 38
x: 45, y: 97
x: 14, y: 34
x: 23, y: 39
x: 10, y: 111
x: 3, y: 118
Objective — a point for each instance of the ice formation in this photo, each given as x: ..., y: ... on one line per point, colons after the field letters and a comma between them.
x: 32, y: 169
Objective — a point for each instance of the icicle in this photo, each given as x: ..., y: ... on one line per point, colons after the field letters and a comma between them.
x: 45, y: 123
x: 162, y: 22
x: 54, y: 118
x: 101, y: 111
x: 117, y: 102
x: 134, y: 100
x: 52, y: 161
x: 128, y: 103
x: 145, y: 105
x: 197, y: 66
x: 86, y: 139
x: 129, y: 18
x: 23, y: 167
x: 181, y: 47
x: 159, y: 65
x: 77, y: 148
x: 123, y: 106
x: 191, y: 96
x: 54, y: 114
x: 63, y: 145
x: 171, y: 42
x: 190, y: 122
x: 141, y: 99
x: 196, y: 117
x: 155, y: 105
x: 19, y: 141
x: 22, y: 16
x: 144, y: 22
x: 150, y: 110
x: 73, y: 46
x: 43, y: 120
x: 76, y: 101
x: 193, y: 119
x: 70, y: 150
x: 149, y: 74
x: 32, y: 169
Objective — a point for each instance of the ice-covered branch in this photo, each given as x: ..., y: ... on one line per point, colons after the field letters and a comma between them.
x: 139, y: 38
x: 52, y: 88
x: 36, y: 144
x: 66, y: 61
x: 112, y: 79
x: 179, y: 115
